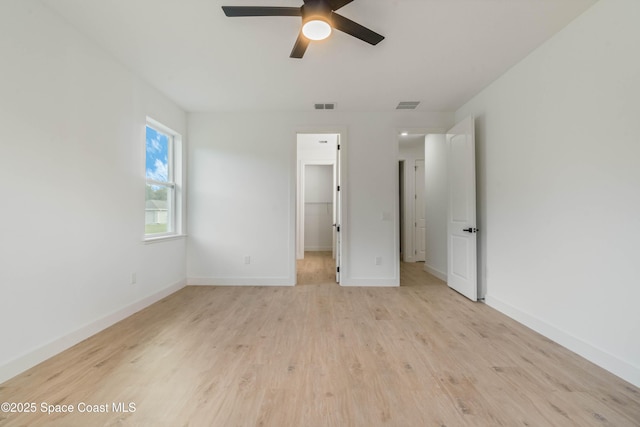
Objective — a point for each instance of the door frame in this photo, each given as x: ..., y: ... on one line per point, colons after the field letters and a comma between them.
x: 341, y: 131
x: 402, y: 239
x: 406, y: 230
x: 415, y: 234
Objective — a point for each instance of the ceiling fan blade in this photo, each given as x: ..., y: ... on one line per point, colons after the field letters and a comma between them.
x: 238, y: 11
x: 300, y: 47
x: 337, y: 4
x: 354, y: 29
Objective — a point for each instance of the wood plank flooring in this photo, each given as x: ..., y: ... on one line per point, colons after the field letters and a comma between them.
x: 321, y: 355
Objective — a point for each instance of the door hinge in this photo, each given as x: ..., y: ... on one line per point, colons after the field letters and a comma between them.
x: 415, y: 196
x: 338, y: 229
x: 338, y: 269
x: 338, y: 146
x: 415, y: 252
x: 338, y: 188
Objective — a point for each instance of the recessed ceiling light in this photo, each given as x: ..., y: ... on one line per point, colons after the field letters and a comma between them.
x: 405, y: 134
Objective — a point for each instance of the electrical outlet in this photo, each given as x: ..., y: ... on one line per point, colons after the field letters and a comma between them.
x: 134, y: 278
x: 378, y: 260
x: 247, y: 260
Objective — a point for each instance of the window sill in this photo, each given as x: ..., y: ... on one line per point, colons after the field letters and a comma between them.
x: 150, y: 240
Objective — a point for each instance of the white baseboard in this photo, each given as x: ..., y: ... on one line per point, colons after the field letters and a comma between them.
x: 39, y: 355
x: 373, y: 282
x: 605, y: 360
x: 319, y: 249
x: 240, y: 281
x: 435, y: 272
x: 282, y: 281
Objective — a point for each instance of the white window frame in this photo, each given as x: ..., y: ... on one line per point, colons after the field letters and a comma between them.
x: 173, y: 183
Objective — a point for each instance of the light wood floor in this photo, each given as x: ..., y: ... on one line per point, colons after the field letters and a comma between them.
x: 317, y: 268
x: 322, y: 355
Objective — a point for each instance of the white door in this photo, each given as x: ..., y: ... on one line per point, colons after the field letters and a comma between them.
x: 419, y: 209
x: 338, y: 213
x: 462, y: 272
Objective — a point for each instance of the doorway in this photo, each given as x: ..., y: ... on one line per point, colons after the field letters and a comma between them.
x: 411, y: 197
x: 450, y: 233
x: 318, y: 208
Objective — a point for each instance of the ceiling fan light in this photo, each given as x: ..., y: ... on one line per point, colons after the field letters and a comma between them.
x: 316, y: 29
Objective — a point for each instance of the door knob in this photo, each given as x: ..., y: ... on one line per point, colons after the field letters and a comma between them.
x: 470, y: 230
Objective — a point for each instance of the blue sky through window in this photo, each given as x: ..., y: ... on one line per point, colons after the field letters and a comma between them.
x: 157, y: 163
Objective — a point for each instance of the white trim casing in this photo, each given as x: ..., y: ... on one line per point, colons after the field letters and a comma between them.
x: 240, y: 281
x: 607, y: 361
x: 377, y: 282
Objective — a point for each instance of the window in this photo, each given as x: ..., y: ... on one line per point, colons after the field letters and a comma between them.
x: 161, y: 193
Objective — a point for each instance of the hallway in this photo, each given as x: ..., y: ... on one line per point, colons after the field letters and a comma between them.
x: 316, y: 268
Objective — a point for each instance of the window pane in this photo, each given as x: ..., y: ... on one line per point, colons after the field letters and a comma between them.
x: 157, y: 214
x: 157, y: 167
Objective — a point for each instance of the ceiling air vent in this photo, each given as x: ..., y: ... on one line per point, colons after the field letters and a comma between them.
x: 408, y: 105
x: 331, y: 106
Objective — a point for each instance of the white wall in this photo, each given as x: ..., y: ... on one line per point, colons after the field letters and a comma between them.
x: 242, y: 163
x: 311, y: 149
x: 410, y: 149
x: 436, y: 210
x: 72, y: 184
x: 318, y: 210
x: 318, y: 184
x: 559, y: 175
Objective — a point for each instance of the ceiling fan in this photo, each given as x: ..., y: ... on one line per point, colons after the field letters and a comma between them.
x: 318, y: 20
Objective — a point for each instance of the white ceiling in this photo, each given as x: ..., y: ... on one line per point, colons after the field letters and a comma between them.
x: 439, y: 52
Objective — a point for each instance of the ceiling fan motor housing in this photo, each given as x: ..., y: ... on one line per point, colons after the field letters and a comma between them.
x: 316, y: 9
